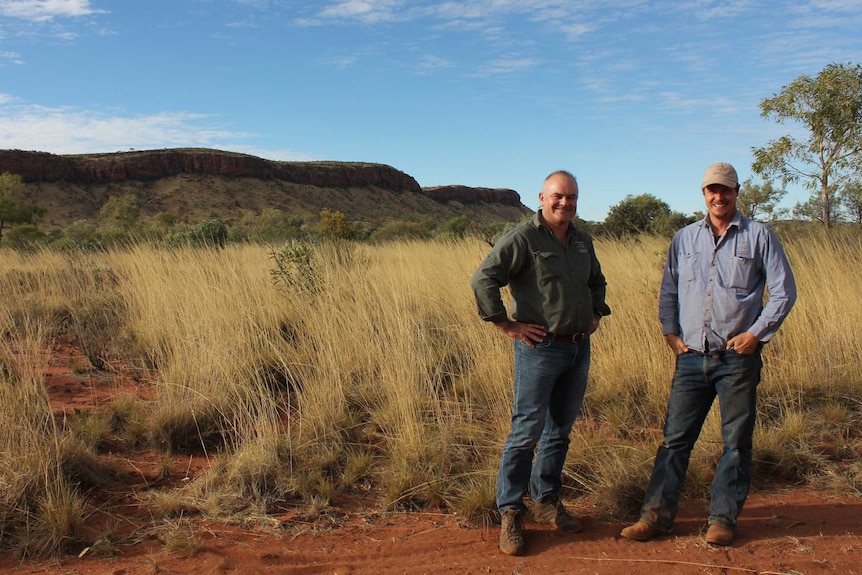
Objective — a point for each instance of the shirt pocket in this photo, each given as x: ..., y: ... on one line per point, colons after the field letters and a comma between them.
x: 738, y: 273
x: 688, y: 267
x: 549, y: 266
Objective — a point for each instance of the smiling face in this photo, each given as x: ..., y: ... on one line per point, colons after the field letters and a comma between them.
x: 559, y: 200
x: 720, y: 202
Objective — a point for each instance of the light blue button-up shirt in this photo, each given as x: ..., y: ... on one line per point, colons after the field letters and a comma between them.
x: 712, y: 291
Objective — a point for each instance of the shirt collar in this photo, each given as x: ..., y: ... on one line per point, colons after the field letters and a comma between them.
x: 539, y: 222
x: 736, y: 222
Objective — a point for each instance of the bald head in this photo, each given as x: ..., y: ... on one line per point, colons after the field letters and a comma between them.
x: 559, y: 198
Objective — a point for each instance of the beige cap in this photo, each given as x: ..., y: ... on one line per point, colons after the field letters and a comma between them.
x: 720, y: 173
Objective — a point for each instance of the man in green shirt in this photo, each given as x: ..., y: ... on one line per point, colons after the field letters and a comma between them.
x: 558, y: 299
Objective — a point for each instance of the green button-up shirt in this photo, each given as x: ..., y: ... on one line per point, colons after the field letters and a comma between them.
x: 551, y: 285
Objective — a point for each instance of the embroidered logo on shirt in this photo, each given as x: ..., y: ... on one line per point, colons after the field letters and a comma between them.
x: 581, y: 246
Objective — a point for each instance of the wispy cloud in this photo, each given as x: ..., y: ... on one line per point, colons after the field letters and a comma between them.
x: 69, y: 130
x: 837, y: 5
x: 575, y: 30
x: 42, y: 10
x: 10, y: 57
x: 505, y: 66
x: 367, y: 11
x: 430, y: 64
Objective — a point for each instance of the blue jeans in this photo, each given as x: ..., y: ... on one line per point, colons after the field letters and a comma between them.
x: 698, y: 380
x: 550, y: 381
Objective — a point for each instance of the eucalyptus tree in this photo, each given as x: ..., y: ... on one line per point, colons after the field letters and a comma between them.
x: 758, y: 201
x: 851, y: 197
x: 828, y: 151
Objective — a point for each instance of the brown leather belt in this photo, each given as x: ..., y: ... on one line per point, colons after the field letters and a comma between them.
x: 574, y: 337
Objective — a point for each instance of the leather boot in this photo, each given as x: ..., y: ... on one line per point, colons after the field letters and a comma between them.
x: 512, y: 541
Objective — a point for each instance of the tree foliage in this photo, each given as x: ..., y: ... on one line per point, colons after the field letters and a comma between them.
x: 759, y: 201
x: 814, y: 209
x: 643, y: 214
x: 634, y: 214
x: 25, y: 236
x: 829, y: 108
x: 668, y: 224
x: 334, y: 226
x: 851, y: 198
x: 120, y: 213
x: 209, y: 233
x: 163, y: 224
x: 270, y: 225
x: 13, y: 209
x: 401, y: 230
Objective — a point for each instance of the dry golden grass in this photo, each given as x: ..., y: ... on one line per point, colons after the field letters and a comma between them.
x: 381, y: 379
x: 40, y: 510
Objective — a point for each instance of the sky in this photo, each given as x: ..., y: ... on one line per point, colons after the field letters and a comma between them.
x: 631, y: 96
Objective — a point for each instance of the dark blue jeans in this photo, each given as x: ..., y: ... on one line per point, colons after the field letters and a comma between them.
x: 698, y: 380
x: 550, y: 382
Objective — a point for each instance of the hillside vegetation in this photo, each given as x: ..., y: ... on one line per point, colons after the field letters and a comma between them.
x: 194, y: 185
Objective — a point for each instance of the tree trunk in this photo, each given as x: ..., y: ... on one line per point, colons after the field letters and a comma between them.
x: 827, y: 211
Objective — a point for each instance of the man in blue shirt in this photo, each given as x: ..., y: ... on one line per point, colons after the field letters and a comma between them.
x: 713, y: 319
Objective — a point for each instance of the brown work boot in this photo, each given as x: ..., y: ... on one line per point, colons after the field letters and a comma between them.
x: 640, y: 531
x: 552, y: 511
x: 719, y: 535
x: 512, y: 540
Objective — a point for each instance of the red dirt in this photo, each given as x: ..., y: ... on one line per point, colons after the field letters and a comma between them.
x: 781, y: 531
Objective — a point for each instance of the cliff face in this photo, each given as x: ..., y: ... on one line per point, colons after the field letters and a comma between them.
x: 195, y: 184
x: 468, y: 195
x: 156, y: 164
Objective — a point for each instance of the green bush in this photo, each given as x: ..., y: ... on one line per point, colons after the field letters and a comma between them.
x: 25, y: 236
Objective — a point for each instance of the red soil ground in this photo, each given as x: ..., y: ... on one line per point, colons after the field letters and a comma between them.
x: 781, y: 531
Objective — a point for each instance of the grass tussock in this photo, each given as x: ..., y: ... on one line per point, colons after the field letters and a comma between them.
x: 41, y: 510
x: 311, y: 373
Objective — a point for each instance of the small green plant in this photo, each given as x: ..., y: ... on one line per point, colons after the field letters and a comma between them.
x: 294, y: 267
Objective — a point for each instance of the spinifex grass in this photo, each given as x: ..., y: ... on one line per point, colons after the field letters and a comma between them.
x: 40, y: 510
x: 383, y: 380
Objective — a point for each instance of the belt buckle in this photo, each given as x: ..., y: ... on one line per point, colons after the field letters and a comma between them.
x: 578, y: 337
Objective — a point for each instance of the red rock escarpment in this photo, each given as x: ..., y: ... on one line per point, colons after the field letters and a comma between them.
x: 155, y: 164
x: 468, y: 195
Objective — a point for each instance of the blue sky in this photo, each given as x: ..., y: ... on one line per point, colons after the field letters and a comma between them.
x: 632, y: 96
